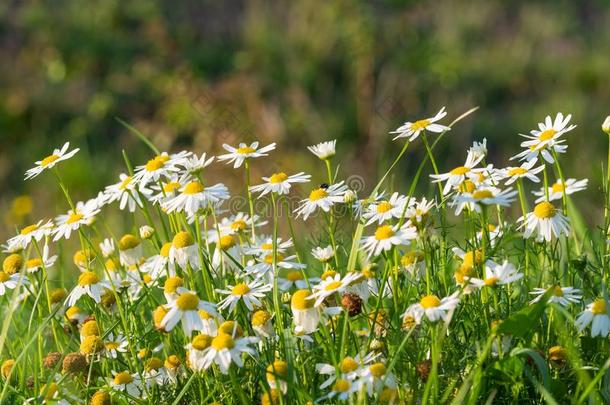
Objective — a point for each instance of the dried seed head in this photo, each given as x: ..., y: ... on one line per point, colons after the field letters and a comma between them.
x: 352, y: 304
x: 74, y: 363
x: 51, y: 360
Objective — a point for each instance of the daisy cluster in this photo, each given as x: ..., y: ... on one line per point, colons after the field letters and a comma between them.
x: 190, y: 298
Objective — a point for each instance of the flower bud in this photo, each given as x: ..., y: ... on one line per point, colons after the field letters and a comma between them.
x: 606, y: 125
x: 146, y: 232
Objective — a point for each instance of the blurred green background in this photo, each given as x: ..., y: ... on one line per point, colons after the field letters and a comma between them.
x: 195, y: 74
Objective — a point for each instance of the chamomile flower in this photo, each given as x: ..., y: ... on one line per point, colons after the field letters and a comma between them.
x: 557, y: 190
x: 433, y: 308
x: 261, y: 324
x: 264, y: 245
x: 341, y: 390
x: 239, y: 223
x: 497, y: 274
x: 384, y: 210
x: 130, y: 250
x: 419, y: 212
x: 250, y: 293
x: 348, y: 366
x: 455, y: 177
x: 546, y: 220
x: 295, y: 278
x: 323, y: 198
x: 323, y: 255
x: 547, y: 135
x: 115, y: 345
x: 89, y: 283
x: 226, y: 349
x: 34, y: 232
x: 10, y: 281
x: 160, y: 167
x: 165, y: 190
x: 126, y: 382
x: 526, y: 170
x: 58, y: 155
x: 125, y: 193
x: 196, y: 351
x: 483, y: 197
x: 195, y: 196
x: 596, y: 315
x: 279, y: 183
x: 83, y: 214
x: 265, y: 265
x: 37, y: 263
x: 160, y: 265
x: 387, y: 236
x: 107, y: 247
x: 479, y: 148
x: 304, y: 315
x: 332, y: 285
x: 194, y: 165
x: 324, y: 150
x: 238, y: 155
x: 374, y: 378
x: 563, y: 296
x: 411, y: 130
x: 184, y: 251
x: 186, y: 308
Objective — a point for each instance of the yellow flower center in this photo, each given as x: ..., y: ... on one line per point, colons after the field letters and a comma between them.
x: 187, y: 302
x: 341, y: 385
x: 294, y: 276
x: 348, y: 365
x: 48, y: 160
x: 201, y: 342
x: 460, y: 170
x: 223, y: 341
x: 36, y: 262
x: 241, y: 289
x: 154, y: 363
x: 125, y: 183
x: 4, y: 277
x: 155, y: 163
x: 128, y: 242
x: 491, y: 281
x: 378, y: 370
x: 165, y: 249
x: 269, y: 258
x: 28, y: 229
x: 204, y: 315
x: 471, y: 258
x: 260, y: 318
x: 111, y: 345
x: 558, y: 188
x: 278, y: 177
x: 278, y: 368
x: 228, y: 327
x: 194, y: 187
x: 384, y: 232
x: 238, y: 225
x: 171, y: 187
x: 49, y: 391
x: 547, y: 135
x: 158, y: 315
x: 421, y: 124
x: 299, y: 300
x: 172, y: 284
x: 12, y: 264
x: 383, y: 207
x: 226, y: 242
x: 245, y: 150
x: 517, y: 171
x: 88, y: 278
x: 74, y: 217
x: 430, y: 301
x: 557, y: 291
x: 481, y: 194
x: 333, y: 285
x: 182, y: 239
x: 327, y: 274
x: 123, y: 378
x: 267, y: 246
x: 545, y: 210
x: 172, y: 362
x: 317, y: 194
x: 599, y: 307
x: 467, y: 186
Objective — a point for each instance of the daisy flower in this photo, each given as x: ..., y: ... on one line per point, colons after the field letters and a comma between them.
x: 83, y: 214
x: 50, y: 161
x: 225, y: 349
x: 374, y: 378
x: 483, y: 197
x: 238, y: 155
x: 34, y: 232
x: 264, y: 245
x: 387, y: 236
x: 547, y: 135
x: 184, y: 251
x: 195, y: 196
x: 10, y: 281
x: 160, y: 265
x: 595, y: 314
x: 125, y: 382
x: 130, y: 250
x: 323, y: 198
x: 497, y: 274
x: 348, y: 368
x: 46, y: 261
x: 324, y: 150
x: 115, y: 345
x: 261, y: 324
x: 557, y: 190
x: 196, y: 351
x: 342, y: 389
x: 279, y: 183
x: 89, y: 284
x: 433, y: 308
x: 457, y: 176
x: 186, y: 308
x: 563, y: 296
x: 265, y: 266
x: 479, y: 148
x: 164, y: 191
x: 546, y: 220
x: 323, y: 255
x: 332, y: 285
x: 250, y: 293
x: 194, y: 165
x: 239, y: 223
x: 411, y: 130
x: 107, y: 247
x: 419, y: 212
x: 384, y: 210
x: 526, y: 170
x: 295, y: 278
x: 304, y: 315
x: 159, y: 167
x: 125, y: 193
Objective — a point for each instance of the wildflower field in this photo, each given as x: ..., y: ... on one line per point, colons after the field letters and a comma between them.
x: 491, y: 289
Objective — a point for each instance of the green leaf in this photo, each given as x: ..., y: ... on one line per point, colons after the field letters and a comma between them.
x: 521, y: 323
